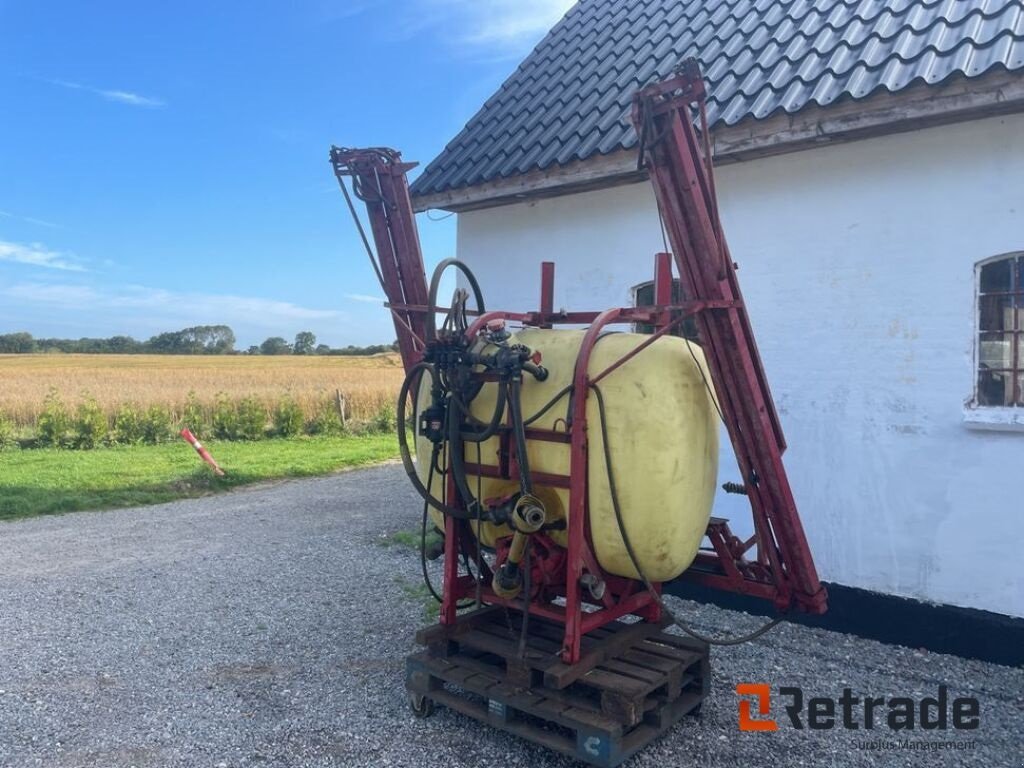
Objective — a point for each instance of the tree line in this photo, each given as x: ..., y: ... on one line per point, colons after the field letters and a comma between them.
x: 197, y: 340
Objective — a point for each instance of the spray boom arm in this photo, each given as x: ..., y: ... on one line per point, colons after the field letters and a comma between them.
x: 679, y: 164
x: 379, y: 181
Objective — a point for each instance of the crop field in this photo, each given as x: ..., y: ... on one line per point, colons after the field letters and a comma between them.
x: 180, y: 384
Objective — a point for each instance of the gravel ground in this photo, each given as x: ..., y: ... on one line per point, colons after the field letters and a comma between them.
x: 269, y: 627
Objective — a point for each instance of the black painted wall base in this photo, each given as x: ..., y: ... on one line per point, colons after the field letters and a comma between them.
x: 965, y: 632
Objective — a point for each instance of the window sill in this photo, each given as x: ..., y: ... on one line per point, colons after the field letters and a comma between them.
x: 994, y: 419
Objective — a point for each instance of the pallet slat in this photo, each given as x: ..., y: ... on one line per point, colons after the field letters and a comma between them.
x: 633, y: 684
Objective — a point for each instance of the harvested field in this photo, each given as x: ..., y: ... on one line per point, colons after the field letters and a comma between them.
x: 367, y: 383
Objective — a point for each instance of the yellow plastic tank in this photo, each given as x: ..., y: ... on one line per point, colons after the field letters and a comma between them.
x: 663, y: 434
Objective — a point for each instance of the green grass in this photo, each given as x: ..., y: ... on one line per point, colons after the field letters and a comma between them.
x: 50, y: 481
x: 418, y: 593
x: 411, y: 539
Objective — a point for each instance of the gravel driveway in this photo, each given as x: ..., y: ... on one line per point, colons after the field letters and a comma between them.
x: 268, y: 627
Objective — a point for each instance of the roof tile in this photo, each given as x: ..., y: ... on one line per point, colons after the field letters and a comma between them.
x: 570, y: 98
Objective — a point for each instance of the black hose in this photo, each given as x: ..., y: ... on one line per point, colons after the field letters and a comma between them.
x: 403, y: 449
x: 515, y: 408
x: 362, y: 232
x: 549, y: 405
x: 423, y: 539
x: 479, y: 530
x: 613, y: 492
x: 458, y: 465
x: 423, y: 551
x: 490, y: 428
x: 435, y: 283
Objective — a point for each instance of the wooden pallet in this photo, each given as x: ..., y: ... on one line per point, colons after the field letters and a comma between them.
x: 632, y: 684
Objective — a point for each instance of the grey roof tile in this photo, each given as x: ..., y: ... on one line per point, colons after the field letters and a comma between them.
x: 570, y: 98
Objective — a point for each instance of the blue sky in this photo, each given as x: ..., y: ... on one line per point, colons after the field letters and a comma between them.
x: 165, y: 164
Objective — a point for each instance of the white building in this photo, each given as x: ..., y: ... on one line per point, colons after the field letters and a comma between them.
x: 871, y: 174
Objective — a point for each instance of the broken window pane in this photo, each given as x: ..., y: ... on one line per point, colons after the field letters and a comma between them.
x: 995, y: 313
x: 997, y: 276
x: 645, y: 295
x: 995, y: 388
x: 995, y: 351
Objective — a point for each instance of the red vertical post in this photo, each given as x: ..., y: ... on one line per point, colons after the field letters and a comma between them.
x: 662, y: 279
x: 450, y: 591
x: 547, y: 290
x: 574, y: 550
x: 578, y: 488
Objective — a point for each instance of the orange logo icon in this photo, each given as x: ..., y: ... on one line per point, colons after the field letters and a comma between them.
x: 763, y: 693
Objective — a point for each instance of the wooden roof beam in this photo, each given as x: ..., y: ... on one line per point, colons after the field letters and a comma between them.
x: 915, y: 107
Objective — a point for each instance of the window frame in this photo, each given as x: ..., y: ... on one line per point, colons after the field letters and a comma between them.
x: 687, y: 329
x: 999, y: 418
x: 1016, y: 333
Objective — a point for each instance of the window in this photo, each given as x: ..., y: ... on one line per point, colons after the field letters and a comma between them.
x: 1000, y: 350
x: 643, y: 296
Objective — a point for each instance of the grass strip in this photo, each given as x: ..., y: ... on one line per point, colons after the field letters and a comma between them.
x: 52, y: 481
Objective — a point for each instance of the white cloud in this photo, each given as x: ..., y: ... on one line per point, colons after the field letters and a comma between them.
x: 59, y: 295
x: 513, y: 22
x: 127, y: 97
x: 498, y: 27
x: 366, y: 298
x: 336, y: 10
x: 122, y: 97
x: 187, y: 308
x: 29, y: 220
x: 38, y: 255
x: 209, y: 305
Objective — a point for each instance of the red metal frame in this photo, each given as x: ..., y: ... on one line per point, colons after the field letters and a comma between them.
x: 683, y: 184
x: 783, y: 570
x: 380, y: 179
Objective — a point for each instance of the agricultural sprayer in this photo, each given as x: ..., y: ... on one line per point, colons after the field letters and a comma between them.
x: 572, y: 469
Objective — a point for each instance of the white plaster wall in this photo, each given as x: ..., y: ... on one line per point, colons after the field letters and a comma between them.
x: 857, y: 263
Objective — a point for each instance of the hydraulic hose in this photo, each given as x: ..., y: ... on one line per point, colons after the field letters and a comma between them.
x: 458, y: 465
x: 403, y: 447
x: 423, y: 551
x: 613, y: 492
x: 549, y: 405
x: 490, y: 428
x: 519, y: 430
x: 435, y: 284
x: 423, y: 538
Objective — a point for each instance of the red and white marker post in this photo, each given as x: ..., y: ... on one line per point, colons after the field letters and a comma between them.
x: 203, y: 453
